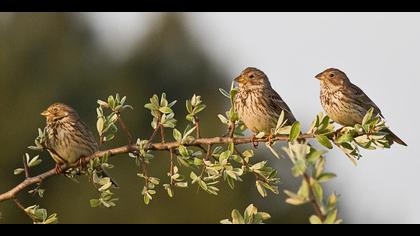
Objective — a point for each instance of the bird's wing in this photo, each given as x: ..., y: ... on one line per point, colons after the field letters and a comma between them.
x: 88, y: 135
x: 277, y: 104
x: 363, y: 100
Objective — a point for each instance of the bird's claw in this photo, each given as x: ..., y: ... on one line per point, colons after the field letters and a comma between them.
x: 81, y: 163
x: 270, y: 139
x: 254, y: 142
x: 58, y: 169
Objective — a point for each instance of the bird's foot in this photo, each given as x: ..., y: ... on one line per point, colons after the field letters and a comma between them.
x: 254, y: 141
x: 82, y: 163
x: 58, y: 169
x: 270, y: 139
x: 337, y: 132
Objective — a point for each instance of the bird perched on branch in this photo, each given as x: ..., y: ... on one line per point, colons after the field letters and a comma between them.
x: 68, y: 139
x: 258, y: 104
x: 345, y: 103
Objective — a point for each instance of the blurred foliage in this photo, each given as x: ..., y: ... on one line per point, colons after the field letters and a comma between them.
x: 50, y: 57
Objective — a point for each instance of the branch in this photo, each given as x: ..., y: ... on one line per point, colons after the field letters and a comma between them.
x: 11, y: 194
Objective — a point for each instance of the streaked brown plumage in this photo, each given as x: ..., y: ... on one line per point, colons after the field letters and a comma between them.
x: 67, y: 137
x: 258, y: 104
x: 344, y: 102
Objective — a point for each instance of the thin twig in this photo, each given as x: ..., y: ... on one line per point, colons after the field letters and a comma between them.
x: 25, y: 167
x: 312, y: 199
x: 171, y: 165
x: 153, y: 136
x: 20, y: 206
x: 245, y: 163
x: 197, y: 126
x: 124, y: 128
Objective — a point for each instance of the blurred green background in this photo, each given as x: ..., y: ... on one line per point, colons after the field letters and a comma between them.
x: 50, y: 57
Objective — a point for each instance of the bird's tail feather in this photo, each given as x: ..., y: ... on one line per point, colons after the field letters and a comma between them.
x: 102, y: 173
x: 394, y: 138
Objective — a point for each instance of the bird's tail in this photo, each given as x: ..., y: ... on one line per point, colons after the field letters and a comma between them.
x: 394, y: 138
x: 102, y: 173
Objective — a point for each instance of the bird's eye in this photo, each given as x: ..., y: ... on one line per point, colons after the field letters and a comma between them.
x: 332, y: 75
x: 251, y: 76
x: 55, y: 109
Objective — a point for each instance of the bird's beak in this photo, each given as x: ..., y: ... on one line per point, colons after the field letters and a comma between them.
x: 239, y: 79
x: 45, y: 113
x: 319, y: 76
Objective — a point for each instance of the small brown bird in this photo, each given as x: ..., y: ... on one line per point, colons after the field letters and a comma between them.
x: 67, y: 137
x: 345, y: 103
x: 258, y: 104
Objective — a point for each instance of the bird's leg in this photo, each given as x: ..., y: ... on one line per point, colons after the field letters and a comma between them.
x: 270, y: 139
x: 58, y: 169
x: 254, y: 142
x: 338, y: 131
x: 82, y: 163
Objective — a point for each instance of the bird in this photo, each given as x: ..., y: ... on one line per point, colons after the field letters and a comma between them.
x: 345, y: 103
x: 258, y: 105
x: 68, y: 139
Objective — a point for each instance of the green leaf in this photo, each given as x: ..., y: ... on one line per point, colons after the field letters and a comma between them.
x: 260, y: 135
x: 94, y: 203
x: 199, y: 108
x: 109, y: 137
x: 324, y: 141
x: 224, y: 156
x: 258, y: 165
x: 332, y: 200
x: 226, y: 222
x: 165, y: 110
x: 193, y: 176
x: 189, y: 132
x: 368, y: 116
x: 314, y: 155
x: 272, y: 150
x: 324, y: 177
x: 248, y: 153
x: 345, y: 138
x: 331, y: 217
x: 183, y: 151
x: 100, y: 125
x: 261, y: 216
x: 280, y: 121
x: 34, y: 162
x: 299, y: 167
x: 304, y: 190
x: 318, y: 191
x: 102, y: 103
x: 177, y: 135
x: 18, y: 171
x: 150, y: 106
x: 223, y: 119
x: 163, y: 100
x: 294, y: 131
x: 250, y: 211
x: 111, y: 102
x: 315, y: 220
x: 294, y: 199
x: 188, y: 106
x: 171, y: 104
x: 237, y: 218
x: 224, y: 93
x: 261, y: 188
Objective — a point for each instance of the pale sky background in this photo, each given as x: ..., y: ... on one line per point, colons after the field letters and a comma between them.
x: 378, y: 51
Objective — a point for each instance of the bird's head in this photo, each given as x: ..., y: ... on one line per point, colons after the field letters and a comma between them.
x: 252, y: 78
x: 58, y: 111
x: 333, y: 77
